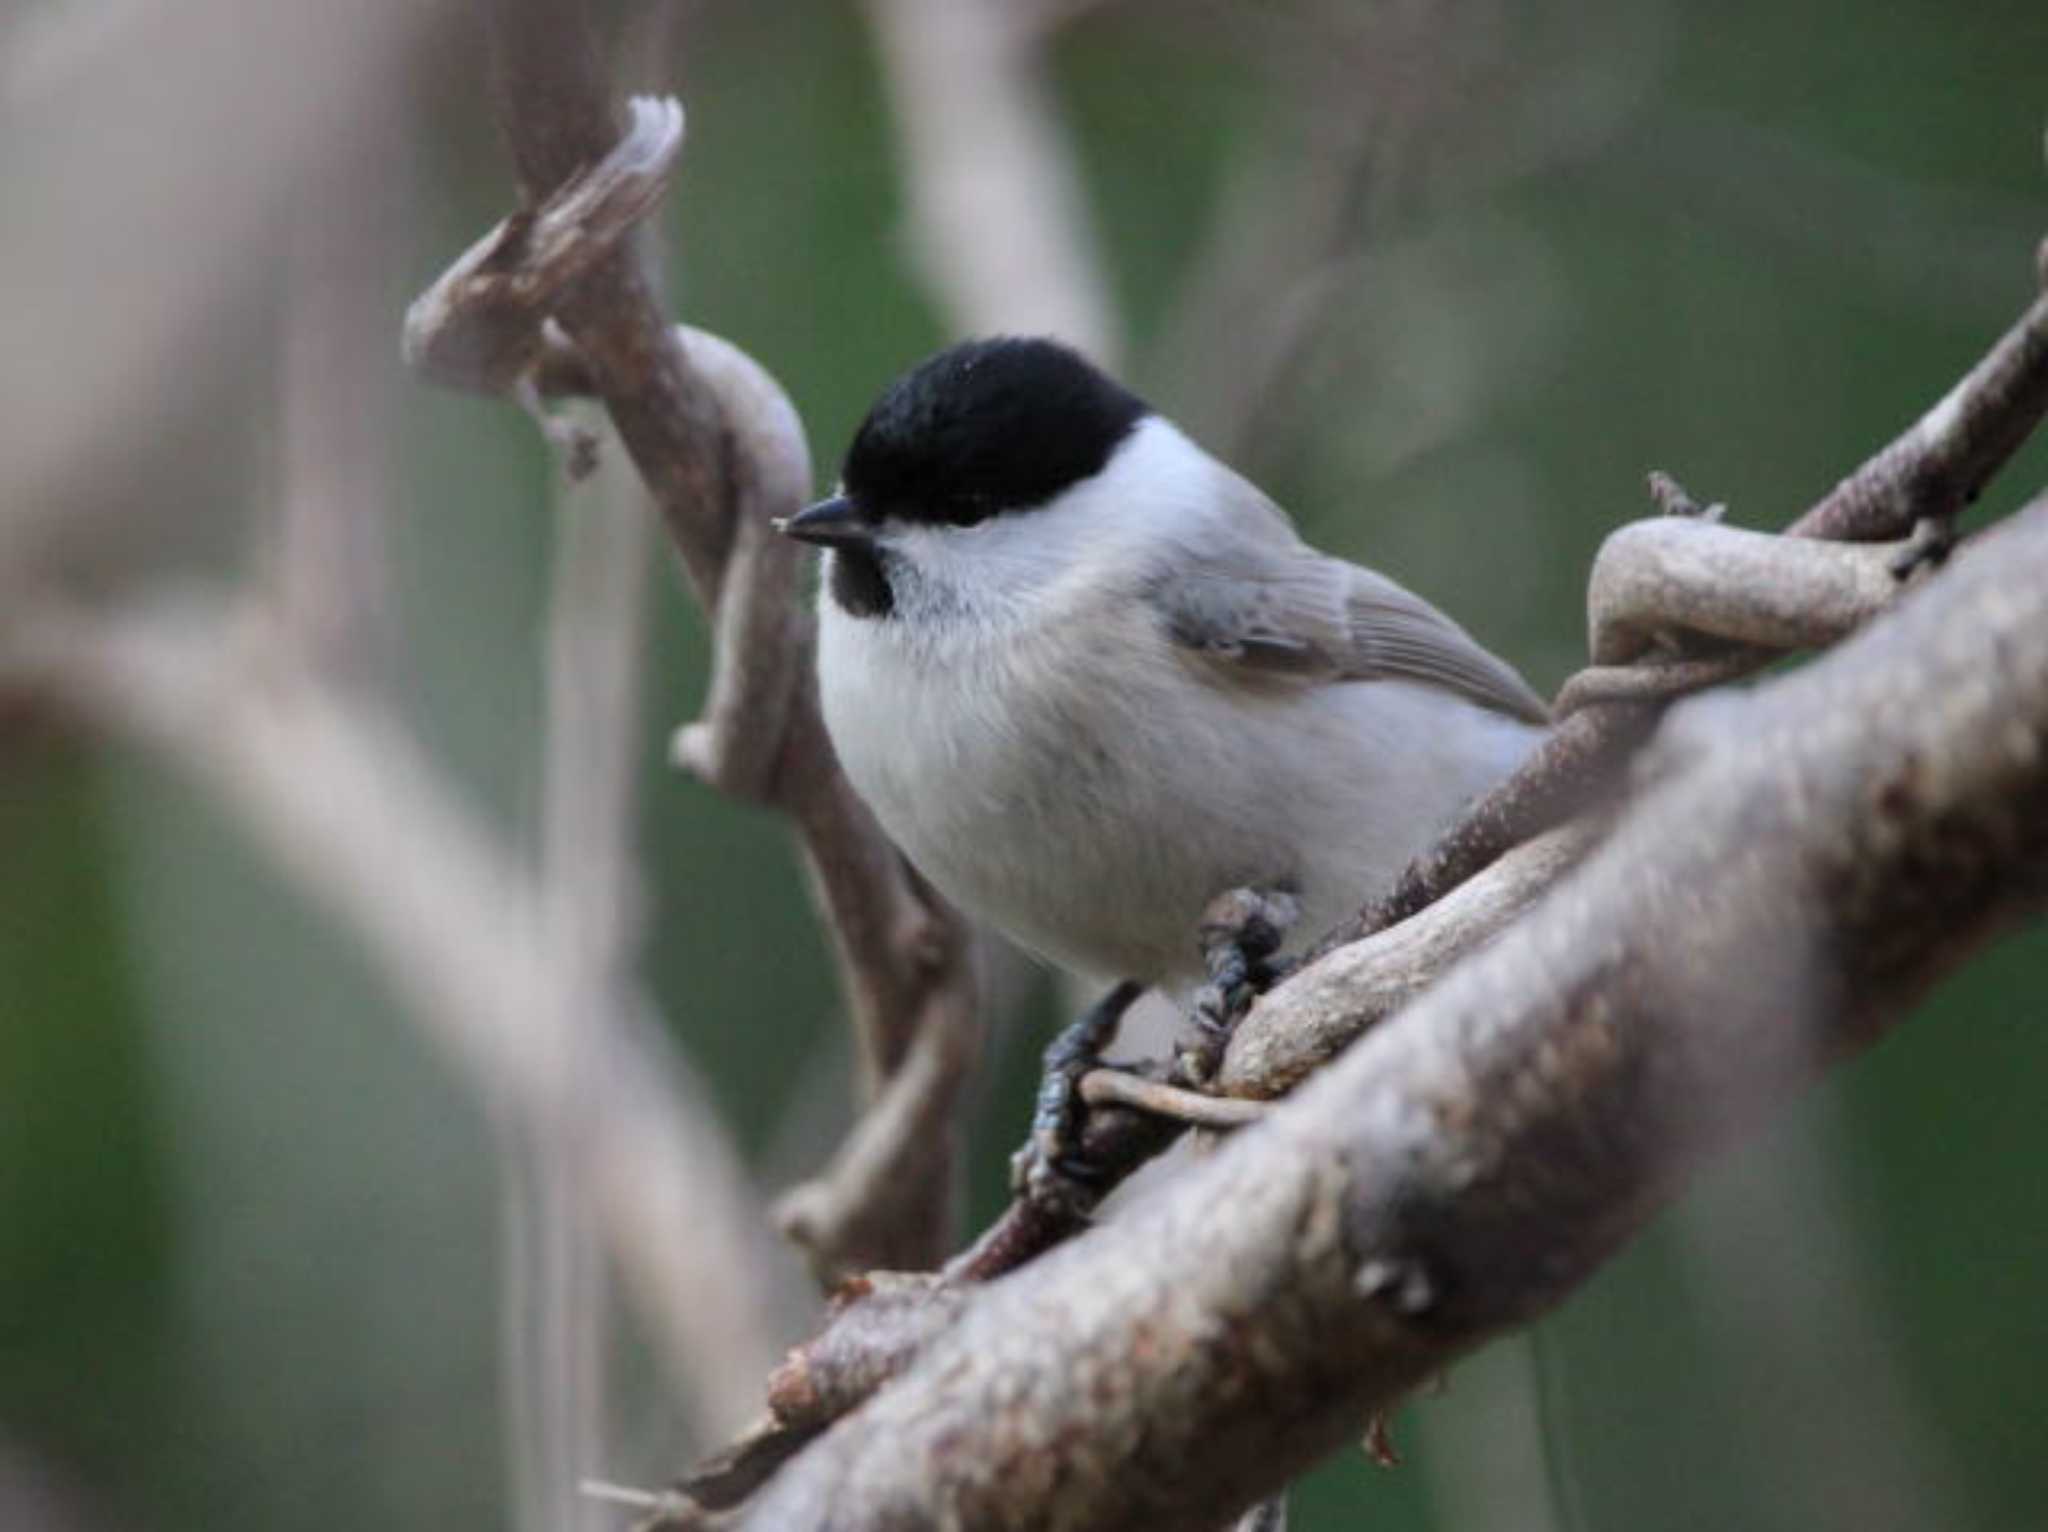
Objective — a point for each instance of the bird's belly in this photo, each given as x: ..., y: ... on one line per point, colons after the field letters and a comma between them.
x: 1105, y: 893
x: 1023, y: 837
x: 1091, y: 834
x: 1046, y: 812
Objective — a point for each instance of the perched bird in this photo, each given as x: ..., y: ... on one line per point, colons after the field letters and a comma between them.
x: 1088, y: 677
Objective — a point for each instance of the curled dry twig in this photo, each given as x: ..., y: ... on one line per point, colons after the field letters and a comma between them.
x: 1931, y: 471
x: 553, y: 300
x: 1681, y: 603
x: 998, y: 222
x: 1678, y: 605
x: 1666, y: 589
x: 1672, y: 575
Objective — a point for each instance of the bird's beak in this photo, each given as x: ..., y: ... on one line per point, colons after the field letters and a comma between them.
x: 834, y: 523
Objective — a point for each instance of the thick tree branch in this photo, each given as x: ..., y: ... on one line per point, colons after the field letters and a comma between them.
x: 1812, y: 857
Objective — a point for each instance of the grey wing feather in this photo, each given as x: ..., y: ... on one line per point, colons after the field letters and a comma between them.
x: 1395, y: 632
x: 1270, y: 611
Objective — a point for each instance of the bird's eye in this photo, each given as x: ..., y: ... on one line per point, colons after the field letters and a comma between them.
x: 968, y: 510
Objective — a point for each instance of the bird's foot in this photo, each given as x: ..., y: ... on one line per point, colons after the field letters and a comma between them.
x: 1931, y: 541
x: 1051, y: 1169
x: 1240, y: 933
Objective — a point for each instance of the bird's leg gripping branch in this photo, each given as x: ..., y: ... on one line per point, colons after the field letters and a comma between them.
x: 1053, y: 1169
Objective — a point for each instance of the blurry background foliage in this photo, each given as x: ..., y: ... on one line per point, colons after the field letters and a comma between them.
x: 247, y: 1220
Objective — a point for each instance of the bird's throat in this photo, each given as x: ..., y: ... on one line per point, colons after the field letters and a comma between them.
x: 860, y: 583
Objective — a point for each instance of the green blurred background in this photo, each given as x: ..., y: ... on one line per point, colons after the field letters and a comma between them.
x: 249, y: 1221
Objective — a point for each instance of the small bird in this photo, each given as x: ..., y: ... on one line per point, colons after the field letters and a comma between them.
x: 1088, y: 677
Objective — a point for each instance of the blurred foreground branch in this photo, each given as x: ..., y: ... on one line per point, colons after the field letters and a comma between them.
x: 998, y: 225
x: 335, y: 788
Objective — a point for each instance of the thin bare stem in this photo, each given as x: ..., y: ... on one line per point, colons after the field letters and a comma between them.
x: 328, y: 564
x: 998, y: 221
x: 590, y: 886
x: 1945, y: 458
x: 1196, y: 1109
x: 1312, y: 1016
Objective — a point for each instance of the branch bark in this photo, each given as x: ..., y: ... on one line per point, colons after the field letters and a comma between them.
x: 1316, y: 1013
x: 1931, y: 471
x: 1812, y: 857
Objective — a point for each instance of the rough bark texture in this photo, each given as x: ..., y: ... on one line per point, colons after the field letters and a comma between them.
x: 1321, y: 1010
x: 1810, y: 857
x: 1676, y: 574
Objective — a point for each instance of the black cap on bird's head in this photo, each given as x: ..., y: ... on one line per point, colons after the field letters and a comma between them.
x: 984, y: 427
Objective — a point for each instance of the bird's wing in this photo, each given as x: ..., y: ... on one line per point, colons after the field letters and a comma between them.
x: 1265, y: 611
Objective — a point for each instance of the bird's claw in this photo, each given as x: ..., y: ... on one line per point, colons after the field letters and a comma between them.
x: 1051, y: 1169
x: 1926, y: 547
x: 1240, y: 932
